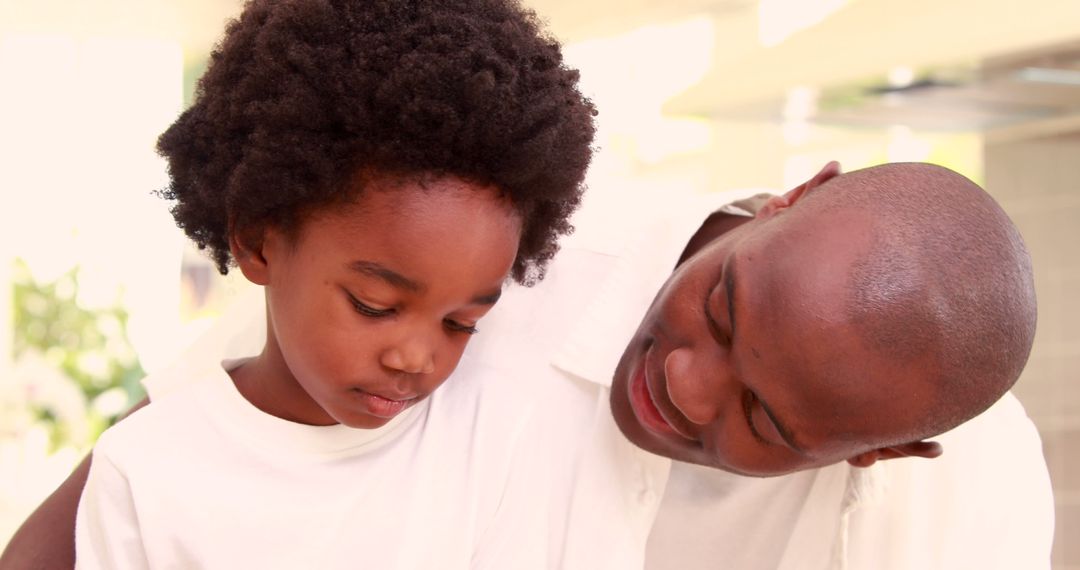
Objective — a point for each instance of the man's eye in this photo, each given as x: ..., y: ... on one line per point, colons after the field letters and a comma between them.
x: 458, y: 327
x: 749, y: 399
x: 765, y: 430
x: 714, y: 327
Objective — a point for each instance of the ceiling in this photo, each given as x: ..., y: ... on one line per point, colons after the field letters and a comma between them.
x: 987, y: 94
x: 576, y: 20
x: 195, y: 24
x: 966, y: 58
x: 959, y: 51
x: 198, y: 23
x: 971, y: 64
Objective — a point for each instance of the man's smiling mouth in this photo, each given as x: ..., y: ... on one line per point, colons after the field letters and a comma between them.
x: 644, y: 404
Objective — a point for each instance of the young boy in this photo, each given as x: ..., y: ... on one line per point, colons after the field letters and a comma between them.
x: 381, y: 168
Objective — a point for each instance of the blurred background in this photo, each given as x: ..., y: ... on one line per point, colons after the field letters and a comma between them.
x: 98, y: 287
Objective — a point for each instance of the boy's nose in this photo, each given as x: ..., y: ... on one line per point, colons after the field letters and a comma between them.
x: 409, y: 357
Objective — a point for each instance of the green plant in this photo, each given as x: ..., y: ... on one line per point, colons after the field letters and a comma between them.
x: 89, y: 346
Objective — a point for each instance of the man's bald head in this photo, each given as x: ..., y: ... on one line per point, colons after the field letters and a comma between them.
x: 946, y: 282
x: 850, y: 319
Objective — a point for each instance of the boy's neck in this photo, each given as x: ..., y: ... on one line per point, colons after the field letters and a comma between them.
x: 266, y: 383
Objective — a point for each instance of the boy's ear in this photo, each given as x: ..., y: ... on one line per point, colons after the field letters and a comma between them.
x: 778, y: 203
x: 925, y: 449
x: 246, y: 246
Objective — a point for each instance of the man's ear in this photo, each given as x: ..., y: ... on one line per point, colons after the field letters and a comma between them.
x: 246, y: 246
x: 778, y: 203
x: 925, y: 449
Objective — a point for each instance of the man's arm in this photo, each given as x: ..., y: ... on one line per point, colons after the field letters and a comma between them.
x: 46, y: 540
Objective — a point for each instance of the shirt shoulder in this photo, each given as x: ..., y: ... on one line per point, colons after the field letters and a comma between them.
x: 157, y: 434
x: 239, y: 332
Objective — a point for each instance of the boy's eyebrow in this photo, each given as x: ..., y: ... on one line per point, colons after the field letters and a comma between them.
x: 395, y: 279
x: 379, y: 271
x: 489, y: 299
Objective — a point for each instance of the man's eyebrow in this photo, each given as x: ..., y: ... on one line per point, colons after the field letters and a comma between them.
x: 379, y: 271
x: 729, y: 288
x: 785, y: 433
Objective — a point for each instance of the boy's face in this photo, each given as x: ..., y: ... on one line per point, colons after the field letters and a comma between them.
x: 371, y: 304
x: 747, y: 360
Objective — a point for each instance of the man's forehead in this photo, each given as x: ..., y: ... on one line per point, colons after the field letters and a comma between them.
x: 821, y: 376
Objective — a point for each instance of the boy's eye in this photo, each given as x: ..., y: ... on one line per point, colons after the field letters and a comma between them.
x: 458, y: 327
x: 367, y: 310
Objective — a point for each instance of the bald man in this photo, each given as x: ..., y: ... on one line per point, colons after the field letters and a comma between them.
x: 906, y: 290
x: 845, y: 323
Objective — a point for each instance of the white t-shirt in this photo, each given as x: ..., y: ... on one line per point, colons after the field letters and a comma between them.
x: 200, y: 478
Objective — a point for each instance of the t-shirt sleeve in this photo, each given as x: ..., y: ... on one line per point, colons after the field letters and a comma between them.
x: 160, y: 383
x: 107, y: 534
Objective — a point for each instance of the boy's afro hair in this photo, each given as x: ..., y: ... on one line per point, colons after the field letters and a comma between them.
x: 301, y: 95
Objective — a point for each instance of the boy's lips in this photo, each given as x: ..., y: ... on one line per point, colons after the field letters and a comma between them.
x: 381, y: 406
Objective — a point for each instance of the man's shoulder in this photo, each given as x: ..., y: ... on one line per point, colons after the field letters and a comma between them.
x: 1005, y: 425
x: 990, y: 486
x: 999, y: 448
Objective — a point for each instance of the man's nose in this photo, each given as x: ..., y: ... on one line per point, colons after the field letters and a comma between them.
x: 696, y: 384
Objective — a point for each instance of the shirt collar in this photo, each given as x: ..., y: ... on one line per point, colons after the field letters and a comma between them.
x: 652, y: 248
x: 276, y: 435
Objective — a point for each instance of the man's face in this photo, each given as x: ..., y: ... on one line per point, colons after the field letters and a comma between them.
x: 747, y: 360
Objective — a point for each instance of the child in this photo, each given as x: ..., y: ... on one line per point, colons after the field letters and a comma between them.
x: 381, y: 168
